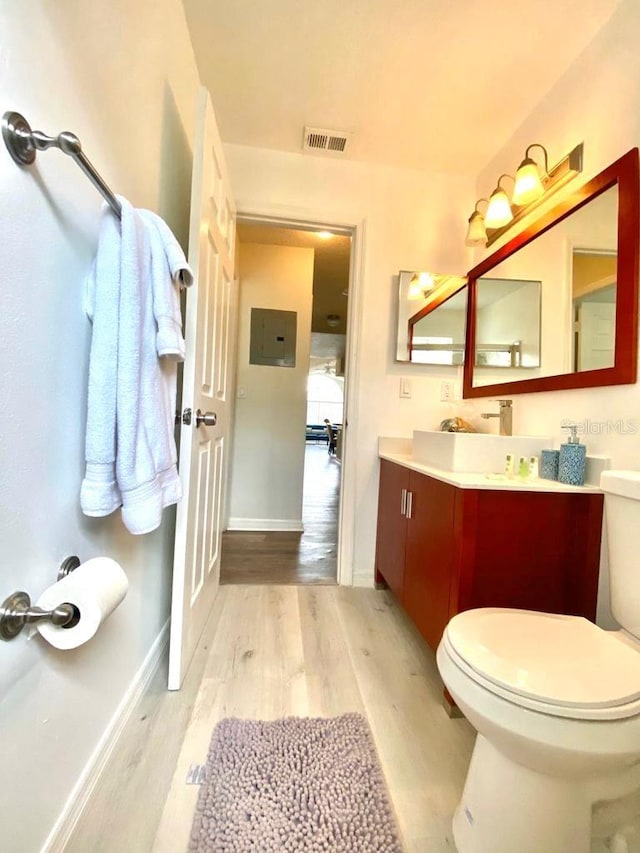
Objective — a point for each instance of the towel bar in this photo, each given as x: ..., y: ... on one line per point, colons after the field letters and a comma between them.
x: 16, y: 611
x: 22, y: 143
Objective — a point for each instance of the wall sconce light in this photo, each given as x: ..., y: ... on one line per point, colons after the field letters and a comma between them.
x: 420, y: 284
x: 530, y: 189
x: 333, y: 320
x: 477, y: 232
x: 499, y: 212
x: 528, y: 186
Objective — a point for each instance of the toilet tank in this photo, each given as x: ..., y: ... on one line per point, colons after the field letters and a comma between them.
x: 622, y: 521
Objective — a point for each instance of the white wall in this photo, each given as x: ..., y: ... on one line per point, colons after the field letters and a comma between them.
x: 269, y: 434
x: 410, y: 220
x: 123, y: 77
x: 598, y: 101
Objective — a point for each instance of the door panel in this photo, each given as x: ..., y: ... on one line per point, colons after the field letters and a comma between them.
x: 203, y: 457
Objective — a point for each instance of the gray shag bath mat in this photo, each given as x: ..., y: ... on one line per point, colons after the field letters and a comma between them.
x: 295, y: 785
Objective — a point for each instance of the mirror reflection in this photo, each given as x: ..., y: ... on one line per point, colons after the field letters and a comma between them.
x: 558, y: 311
x: 594, y: 275
x: 431, y: 327
x: 438, y: 336
x: 507, y: 323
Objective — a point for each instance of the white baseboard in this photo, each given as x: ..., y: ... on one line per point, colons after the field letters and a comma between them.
x: 258, y: 524
x: 363, y: 580
x: 82, y: 790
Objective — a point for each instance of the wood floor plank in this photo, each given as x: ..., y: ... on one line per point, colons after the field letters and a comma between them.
x: 331, y: 683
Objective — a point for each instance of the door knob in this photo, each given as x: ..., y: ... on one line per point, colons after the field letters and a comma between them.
x: 206, y: 418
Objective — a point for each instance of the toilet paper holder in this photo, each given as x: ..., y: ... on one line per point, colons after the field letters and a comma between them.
x: 16, y: 611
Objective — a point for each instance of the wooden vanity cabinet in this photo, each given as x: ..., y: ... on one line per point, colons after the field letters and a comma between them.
x: 455, y: 549
x: 392, y: 526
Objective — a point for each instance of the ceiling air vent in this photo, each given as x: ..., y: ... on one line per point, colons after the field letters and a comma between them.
x: 327, y: 141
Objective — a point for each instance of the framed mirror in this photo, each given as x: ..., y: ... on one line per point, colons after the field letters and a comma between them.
x: 581, y: 258
x: 432, y: 316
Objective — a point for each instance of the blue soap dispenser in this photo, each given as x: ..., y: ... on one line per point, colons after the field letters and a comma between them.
x: 573, y: 459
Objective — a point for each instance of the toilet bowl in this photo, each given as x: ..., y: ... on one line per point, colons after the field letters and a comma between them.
x: 556, y: 703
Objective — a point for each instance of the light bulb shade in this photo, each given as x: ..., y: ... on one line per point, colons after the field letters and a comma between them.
x: 476, y: 232
x: 426, y: 281
x: 420, y: 284
x: 499, y: 211
x: 528, y: 185
x: 415, y: 291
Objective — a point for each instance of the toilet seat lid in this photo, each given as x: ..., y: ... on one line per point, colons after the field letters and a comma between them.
x: 560, y: 660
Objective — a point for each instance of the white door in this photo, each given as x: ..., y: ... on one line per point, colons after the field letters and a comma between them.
x: 206, y: 389
x: 596, y: 335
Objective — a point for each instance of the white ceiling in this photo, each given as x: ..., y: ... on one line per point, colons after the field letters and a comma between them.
x: 430, y: 84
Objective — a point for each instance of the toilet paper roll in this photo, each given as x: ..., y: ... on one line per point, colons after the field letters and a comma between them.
x: 96, y: 588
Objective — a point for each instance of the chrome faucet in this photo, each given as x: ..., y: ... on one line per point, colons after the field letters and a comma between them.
x: 506, y: 417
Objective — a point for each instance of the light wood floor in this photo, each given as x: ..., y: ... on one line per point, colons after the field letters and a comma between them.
x: 273, y: 651
x: 282, y: 557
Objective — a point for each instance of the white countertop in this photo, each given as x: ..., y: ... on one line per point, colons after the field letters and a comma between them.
x: 495, y: 482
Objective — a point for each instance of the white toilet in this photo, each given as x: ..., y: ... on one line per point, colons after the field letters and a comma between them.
x: 556, y: 703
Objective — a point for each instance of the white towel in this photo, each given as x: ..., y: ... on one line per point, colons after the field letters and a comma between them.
x: 148, y: 325
x: 100, y: 494
x: 166, y: 251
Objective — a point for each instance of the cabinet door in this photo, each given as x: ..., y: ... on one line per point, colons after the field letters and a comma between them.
x: 392, y: 526
x: 429, y: 555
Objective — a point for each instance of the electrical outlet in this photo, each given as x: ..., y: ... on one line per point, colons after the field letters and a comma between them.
x: 447, y: 391
x: 405, y: 387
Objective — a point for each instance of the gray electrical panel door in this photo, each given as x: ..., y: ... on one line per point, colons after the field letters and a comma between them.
x: 273, y: 337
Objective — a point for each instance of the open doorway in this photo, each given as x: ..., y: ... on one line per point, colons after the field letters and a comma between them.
x: 286, y: 470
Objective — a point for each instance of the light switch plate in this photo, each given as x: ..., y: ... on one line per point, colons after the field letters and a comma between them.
x: 405, y: 387
x: 447, y: 391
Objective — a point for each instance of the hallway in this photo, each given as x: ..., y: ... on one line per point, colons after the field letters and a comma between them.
x: 288, y: 557
x: 274, y: 651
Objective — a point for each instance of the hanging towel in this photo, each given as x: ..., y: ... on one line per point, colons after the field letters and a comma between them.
x: 100, y: 494
x: 148, y: 344
x: 166, y: 251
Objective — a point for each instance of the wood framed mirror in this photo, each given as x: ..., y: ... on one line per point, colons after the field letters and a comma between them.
x: 584, y: 255
x: 420, y: 294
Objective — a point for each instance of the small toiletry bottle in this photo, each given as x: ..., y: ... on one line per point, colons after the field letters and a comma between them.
x: 533, y: 467
x: 508, y: 465
x: 523, y: 467
x: 573, y: 459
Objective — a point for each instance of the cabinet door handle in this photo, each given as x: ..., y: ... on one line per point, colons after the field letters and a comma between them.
x: 403, y: 502
x: 409, y: 504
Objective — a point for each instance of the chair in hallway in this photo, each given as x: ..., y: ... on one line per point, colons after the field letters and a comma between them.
x: 331, y: 435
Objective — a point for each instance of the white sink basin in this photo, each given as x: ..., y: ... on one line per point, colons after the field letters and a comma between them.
x: 474, y: 453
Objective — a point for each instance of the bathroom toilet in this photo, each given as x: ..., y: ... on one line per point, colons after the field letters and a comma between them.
x: 556, y: 704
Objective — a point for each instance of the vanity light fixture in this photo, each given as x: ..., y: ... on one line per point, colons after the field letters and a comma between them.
x: 477, y: 232
x: 531, y: 188
x: 528, y: 185
x: 499, y: 212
